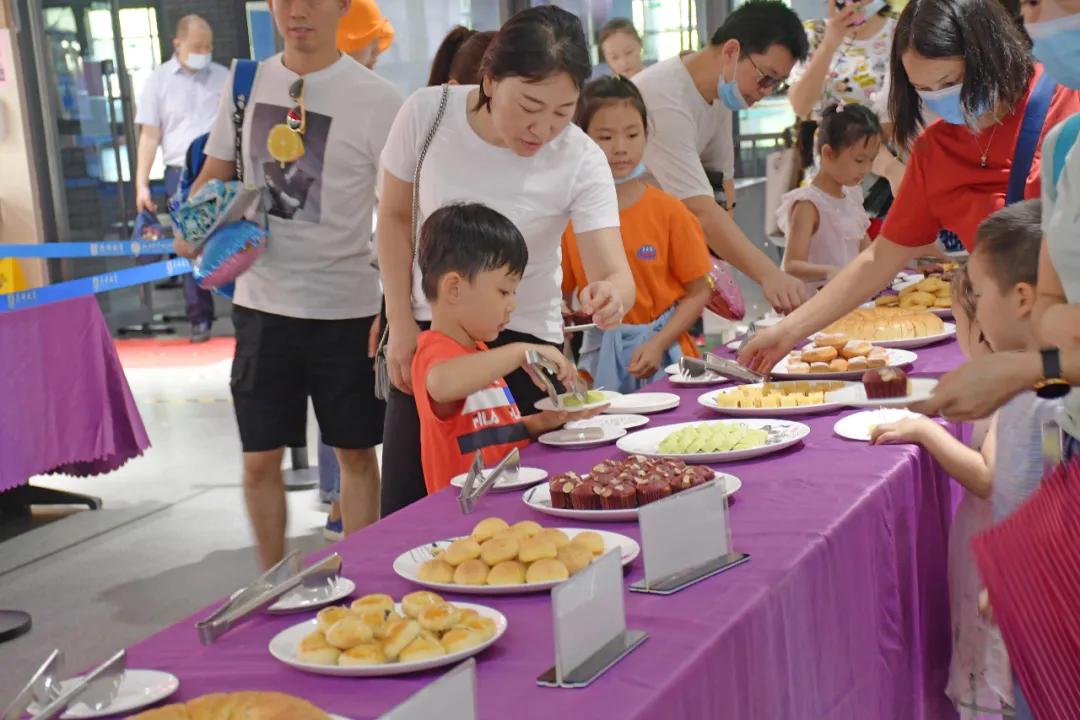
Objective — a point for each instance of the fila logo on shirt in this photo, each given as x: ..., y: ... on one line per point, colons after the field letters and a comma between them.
x: 646, y: 252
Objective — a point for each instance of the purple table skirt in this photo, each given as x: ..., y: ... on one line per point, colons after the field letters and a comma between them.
x: 66, y: 405
x: 842, y: 611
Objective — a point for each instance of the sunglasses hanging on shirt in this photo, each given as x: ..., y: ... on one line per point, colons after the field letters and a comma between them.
x: 286, y: 140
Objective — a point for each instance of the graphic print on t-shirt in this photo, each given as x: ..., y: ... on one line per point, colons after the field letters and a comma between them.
x: 294, y: 189
x: 495, y: 417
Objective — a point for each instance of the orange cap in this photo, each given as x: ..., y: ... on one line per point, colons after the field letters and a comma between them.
x: 363, y: 23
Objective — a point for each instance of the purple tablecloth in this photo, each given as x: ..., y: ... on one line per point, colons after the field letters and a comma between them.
x: 842, y: 611
x: 65, y: 405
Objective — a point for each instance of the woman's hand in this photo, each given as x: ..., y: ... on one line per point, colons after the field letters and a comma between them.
x: 840, y: 23
x: 766, y: 348
x: 783, y: 291
x: 400, y: 348
x: 601, y: 300
x: 907, y: 430
x: 979, y: 387
x: 646, y: 360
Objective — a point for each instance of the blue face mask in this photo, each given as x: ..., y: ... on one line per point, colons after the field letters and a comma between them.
x: 634, y: 174
x: 945, y: 103
x: 1057, y: 47
x: 871, y: 9
x: 730, y: 95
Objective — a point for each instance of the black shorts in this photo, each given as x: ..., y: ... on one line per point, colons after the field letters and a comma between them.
x: 280, y: 361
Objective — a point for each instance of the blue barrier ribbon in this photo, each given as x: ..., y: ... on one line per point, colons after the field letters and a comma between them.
x: 109, y: 248
x: 94, y: 284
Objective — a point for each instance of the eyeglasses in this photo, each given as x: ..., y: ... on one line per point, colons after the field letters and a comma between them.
x: 296, y: 118
x: 766, y: 81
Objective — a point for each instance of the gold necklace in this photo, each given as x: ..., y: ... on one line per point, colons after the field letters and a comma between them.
x: 985, y: 151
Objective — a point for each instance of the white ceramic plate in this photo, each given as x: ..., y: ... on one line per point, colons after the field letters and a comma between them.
x: 857, y: 426
x: 284, y: 646
x: 526, y: 476
x: 709, y: 378
x: 643, y: 403
x: 539, y: 499
x: 708, y: 400
x: 138, y: 689
x: 783, y: 434
x: 672, y: 369
x: 611, y: 434
x: 944, y: 313
x: 950, y: 331
x: 609, y: 396
x: 855, y: 394
x: 627, y: 422
x: 897, y: 358
x: 302, y: 599
x: 578, y: 328
x: 407, y: 565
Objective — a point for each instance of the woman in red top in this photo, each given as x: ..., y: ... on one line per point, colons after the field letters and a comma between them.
x: 969, y: 62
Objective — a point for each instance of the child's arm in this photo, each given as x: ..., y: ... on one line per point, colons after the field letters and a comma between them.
x: 804, y: 223
x: 968, y: 466
x: 646, y: 359
x: 451, y: 381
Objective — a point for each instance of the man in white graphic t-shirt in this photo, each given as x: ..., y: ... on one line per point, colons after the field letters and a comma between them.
x: 313, y: 131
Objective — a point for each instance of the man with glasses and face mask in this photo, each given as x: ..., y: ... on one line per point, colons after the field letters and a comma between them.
x: 177, y: 105
x: 691, y: 100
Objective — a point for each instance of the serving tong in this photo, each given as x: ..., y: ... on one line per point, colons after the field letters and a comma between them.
x: 97, y: 689
x: 544, y: 368
x: 695, y: 367
x: 471, y: 492
x: 268, y: 587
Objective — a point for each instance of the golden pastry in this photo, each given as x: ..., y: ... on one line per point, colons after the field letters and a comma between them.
x: 471, y: 572
x: 575, y: 556
x: 422, y: 648
x: 546, y: 570
x: 249, y: 705
x: 833, y: 340
x: 591, y: 540
x: 436, y: 571
x: 439, y: 618
x: 461, y: 638
x: 374, y: 618
x: 461, y: 550
x: 363, y: 654
x: 819, y: 354
x: 467, y: 613
x: 330, y: 615
x: 857, y: 364
x: 820, y: 367
x: 316, y: 650
x: 509, y: 572
x: 876, y: 361
x: 378, y: 600
x: 856, y: 348
x: 838, y: 365
x: 887, y: 300
x: 525, y: 529
x: 536, y: 548
x: 486, y: 528
x: 556, y: 536
x: 399, y: 636
x: 499, y: 549
x: 483, y: 625
x: 414, y: 602
x: 798, y: 368
x: 943, y: 302
x: 349, y: 631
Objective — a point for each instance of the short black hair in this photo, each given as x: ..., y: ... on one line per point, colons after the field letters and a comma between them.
x: 468, y: 238
x: 760, y: 24
x: 996, y: 54
x: 1009, y: 240
x: 608, y: 91
x: 845, y: 125
x: 535, y: 44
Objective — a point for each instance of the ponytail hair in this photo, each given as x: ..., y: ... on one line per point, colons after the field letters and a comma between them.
x: 444, y: 56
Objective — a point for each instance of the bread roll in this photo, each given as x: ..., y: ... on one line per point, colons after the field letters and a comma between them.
x: 820, y: 367
x: 461, y: 638
x: 436, y: 571
x: 398, y: 637
x: 438, y: 618
x: 363, y: 654
x: 349, y: 632
x: 833, y: 340
x: 575, y: 556
x: 819, y: 354
x: 483, y: 625
x: 510, y: 572
x: 536, y: 548
x: 856, y: 348
x: 414, y: 602
x: 525, y: 529
x: 499, y: 549
x: 546, y: 570
x: 591, y: 540
x: 330, y: 615
x: 838, y: 365
x: 798, y: 368
x: 316, y: 650
x: 473, y: 572
x: 374, y: 618
x: 556, y: 536
x: 461, y: 550
x: 373, y: 601
x: 246, y: 705
x: 486, y: 528
x: 422, y: 648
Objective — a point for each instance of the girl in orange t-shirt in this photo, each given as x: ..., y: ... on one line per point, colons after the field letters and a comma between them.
x: 664, y: 244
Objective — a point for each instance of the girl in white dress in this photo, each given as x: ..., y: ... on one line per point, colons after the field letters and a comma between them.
x: 824, y: 222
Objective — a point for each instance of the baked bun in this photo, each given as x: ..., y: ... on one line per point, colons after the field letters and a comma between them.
x: 316, y: 650
x: 820, y: 354
x: 857, y: 364
x: 330, y: 615
x: 510, y: 572
x: 349, y: 631
x: 525, y: 529
x: 546, y: 570
x: 436, y: 571
x: 591, y: 540
x: 838, y: 365
x: 876, y: 361
x: 414, y: 602
x: 472, y: 572
x: 798, y: 368
x: 438, y: 618
x: 488, y: 527
x: 536, y: 548
x: 246, y: 705
x: 422, y: 648
x: 398, y: 637
x: 375, y: 618
x: 556, y: 536
x: 461, y: 638
x: 833, y: 340
x: 887, y: 300
x: 483, y: 625
x: 575, y: 556
x: 374, y: 601
x: 499, y: 549
x: 856, y: 348
x: 461, y: 550
x: 943, y: 302
x: 820, y: 367
x: 363, y: 654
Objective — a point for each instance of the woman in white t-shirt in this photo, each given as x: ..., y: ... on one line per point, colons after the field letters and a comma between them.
x: 507, y: 143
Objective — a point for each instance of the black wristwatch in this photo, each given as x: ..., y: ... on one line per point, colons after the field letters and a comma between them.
x: 1052, y: 384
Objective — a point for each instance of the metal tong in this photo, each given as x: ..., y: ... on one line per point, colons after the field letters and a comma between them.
x: 544, y: 367
x: 275, y: 582
x: 97, y: 689
x: 471, y: 492
x: 693, y: 367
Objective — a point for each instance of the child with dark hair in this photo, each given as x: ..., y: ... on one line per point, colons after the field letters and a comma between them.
x: 471, y: 260
x: 457, y: 61
x: 664, y: 245
x: 620, y: 47
x: 824, y: 221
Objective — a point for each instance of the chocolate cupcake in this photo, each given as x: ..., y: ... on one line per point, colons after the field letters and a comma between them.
x: 560, y: 488
x: 688, y: 478
x: 618, y: 497
x: 886, y: 382
x: 652, y: 489
x: 586, y: 496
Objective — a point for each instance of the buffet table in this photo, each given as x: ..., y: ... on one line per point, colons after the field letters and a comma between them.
x: 66, y: 405
x: 842, y: 612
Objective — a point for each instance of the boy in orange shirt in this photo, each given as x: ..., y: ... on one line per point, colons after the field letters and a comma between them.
x: 471, y: 260
x: 664, y: 244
